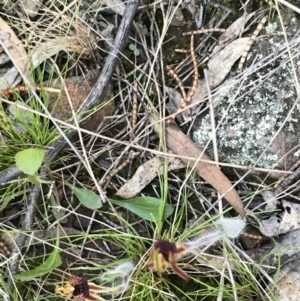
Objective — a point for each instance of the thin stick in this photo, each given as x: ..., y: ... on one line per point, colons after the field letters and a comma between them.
x: 24, y: 89
x: 182, y: 50
x: 289, y: 5
x: 196, y: 74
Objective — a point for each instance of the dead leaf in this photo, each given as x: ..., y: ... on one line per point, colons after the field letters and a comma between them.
x: 178, y: 19
x: 78, y: 88
x: 145, y: 174
x: 107, y: 35
x: 279, y: 257
x: 289, y: 284
x: 116, y: 5
x: 18, y: 55
x: 4, y: 58
x: 175, y: 100
x: 47, y: 49
x: 183, y: 146
x: 41, y: 53
x: 220, y: 65
x: 283, y: 221
x: 234, y: 30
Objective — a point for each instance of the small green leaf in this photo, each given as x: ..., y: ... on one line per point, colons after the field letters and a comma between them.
x: 51, y: 263
x: 145, y: 207
x: 132, y: 47
x: 34, y: 179
x: 86, y: 197
x: 136, y: 52
x: 30, y: 160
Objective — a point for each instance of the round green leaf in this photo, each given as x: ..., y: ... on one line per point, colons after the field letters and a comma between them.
x: 30, y: 160
x: 136, y: 52
x: 132, y: 47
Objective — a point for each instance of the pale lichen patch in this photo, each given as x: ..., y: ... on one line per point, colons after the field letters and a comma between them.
x: 271, y: 27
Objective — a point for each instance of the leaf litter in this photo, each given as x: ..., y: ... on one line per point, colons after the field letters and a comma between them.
x: 179, y: 143
x: 17, y: 53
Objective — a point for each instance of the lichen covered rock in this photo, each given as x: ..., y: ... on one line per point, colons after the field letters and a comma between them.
x: 257, y: 113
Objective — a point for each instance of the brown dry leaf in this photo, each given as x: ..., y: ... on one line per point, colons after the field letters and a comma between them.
x: 220, y: 65
x: 42, y: 52
x: 31, y: 7
x: 78, y: 88
x: 45, y: 50
x: 18, y: 54
x: 145, y: 174
x: 183, y: 146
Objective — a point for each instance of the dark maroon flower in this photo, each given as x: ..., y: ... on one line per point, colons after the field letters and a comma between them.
x: 164, y: 255
x: 81, y: 289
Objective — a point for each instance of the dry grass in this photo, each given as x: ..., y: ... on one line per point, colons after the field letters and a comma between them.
x: 105, y: 237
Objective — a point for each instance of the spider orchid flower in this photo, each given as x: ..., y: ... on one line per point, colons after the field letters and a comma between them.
x: 165, y: 254
x: 81, y: 289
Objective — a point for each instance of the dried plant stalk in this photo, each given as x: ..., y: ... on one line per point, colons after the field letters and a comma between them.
x: 251, y: 42
x: 253, y: 236
x: 206, y: 30
x: 192, y: 92
x: 8, y: 92
x: 254, y: 37
x: 134, y: 105
x: 4, y: 248
x: 177, y: 79
x: 182, y: 50
x: 17, y: 89
x: 120, y: 167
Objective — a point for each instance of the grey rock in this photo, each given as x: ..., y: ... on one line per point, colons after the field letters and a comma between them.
x: 249, y: 110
